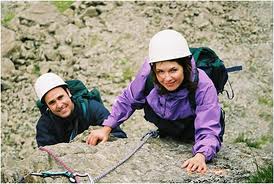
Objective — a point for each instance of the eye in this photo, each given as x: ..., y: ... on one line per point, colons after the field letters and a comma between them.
x: 60, y: 97
x: 173, y: 70
x: 51, y: 102
x: 159, y: 71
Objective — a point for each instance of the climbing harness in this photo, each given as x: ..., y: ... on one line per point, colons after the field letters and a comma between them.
x: 74, y: 176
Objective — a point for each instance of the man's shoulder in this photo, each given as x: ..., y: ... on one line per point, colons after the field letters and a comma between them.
x: 44, y: 120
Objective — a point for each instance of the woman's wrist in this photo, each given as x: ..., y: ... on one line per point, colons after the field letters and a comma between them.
x: 200, y: 155
x: 107, y: 129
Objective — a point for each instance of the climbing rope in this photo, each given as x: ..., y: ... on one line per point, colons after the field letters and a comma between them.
x: 153, y: 134
x: 59, y: 161
x: 70, y: 172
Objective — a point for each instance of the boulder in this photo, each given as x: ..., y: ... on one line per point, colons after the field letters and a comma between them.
x: 40, y: 13
x: 159, y: 160
x: 7, y: 67
x: 8, y: 41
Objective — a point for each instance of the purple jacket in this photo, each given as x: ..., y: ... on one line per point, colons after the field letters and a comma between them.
x: 174, y: 106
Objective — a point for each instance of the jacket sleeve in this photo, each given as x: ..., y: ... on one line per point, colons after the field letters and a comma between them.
x: 207, y: 122
x: 132, y: 98
x: 44, y: 134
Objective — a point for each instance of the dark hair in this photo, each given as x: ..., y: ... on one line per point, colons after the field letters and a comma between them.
x: 185, y: 62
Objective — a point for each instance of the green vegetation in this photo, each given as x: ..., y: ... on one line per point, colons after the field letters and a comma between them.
x: 36, y: 69
x: 127, y: 69
x: 94, y: 39
x: 252, y: 143
x: 263, y: 175
x: 122, y: 62
x: 253, y: 69
x: 7, y: 18
x: 266, y: 116
x: 62, y: 5
x: 265, y: 101
x: 128, y: 73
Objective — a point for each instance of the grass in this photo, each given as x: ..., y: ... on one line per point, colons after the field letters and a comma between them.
x: 7, y: 18
x: 262, y: 175
x: 128, y: 73
x: 62, y: 5
x: 252, y: 143
x: 266, y: 116
x: 36, y: 69
x: 127, y: 69
x: 122, y: 62
x: 265, y: 101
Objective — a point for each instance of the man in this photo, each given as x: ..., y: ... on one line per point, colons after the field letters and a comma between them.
x: 65, y: 116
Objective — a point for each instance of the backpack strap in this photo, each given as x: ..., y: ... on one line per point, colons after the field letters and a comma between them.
x: 42, y: 107
x: 191, y: 95
x: 83, y: 104
x: 234, y: 68
x: 74, y: 131
x: 149, y: 85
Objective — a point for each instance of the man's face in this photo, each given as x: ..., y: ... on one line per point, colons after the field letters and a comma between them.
x: 59, y: 102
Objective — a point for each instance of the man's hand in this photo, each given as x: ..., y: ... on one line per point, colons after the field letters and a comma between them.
x: 99, y: 135
x: 196, y: 163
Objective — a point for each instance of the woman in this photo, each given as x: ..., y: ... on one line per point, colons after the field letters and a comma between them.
x: 168, y: 104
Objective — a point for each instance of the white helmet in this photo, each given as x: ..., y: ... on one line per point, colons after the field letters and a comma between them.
x: 46, y: 82
x: 167, y: 45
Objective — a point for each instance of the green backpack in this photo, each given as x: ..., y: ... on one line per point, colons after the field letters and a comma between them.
x: 79, y: 92
x: 207, y: 60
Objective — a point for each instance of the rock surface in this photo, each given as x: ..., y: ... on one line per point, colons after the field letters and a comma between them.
x: 103, y: 44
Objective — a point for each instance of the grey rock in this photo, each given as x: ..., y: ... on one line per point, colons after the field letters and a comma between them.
x: 52, y: 27
x: 40, y: 13
x: 63, y: 34
x: 240, y: 33
x: 35, y: 33
x: 159, y: 160
x: 80, y: 37
x: 5, y: 86
x: 46, y: 66
x: 8, y: 42
x: 84, y: 63
x: 202, y: 20
x: 7, y: 67
x: 65, y: 52
x: 89, y: 12
x: 49, y: 52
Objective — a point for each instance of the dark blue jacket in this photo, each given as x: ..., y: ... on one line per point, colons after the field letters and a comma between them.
x: 52, y: 129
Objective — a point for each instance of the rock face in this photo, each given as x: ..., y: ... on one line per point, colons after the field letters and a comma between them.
x: 8, y: 40
x: 103, y: 44
x: 159, y: 160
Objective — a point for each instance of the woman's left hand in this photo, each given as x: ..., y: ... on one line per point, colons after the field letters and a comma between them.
x: 196, y: 163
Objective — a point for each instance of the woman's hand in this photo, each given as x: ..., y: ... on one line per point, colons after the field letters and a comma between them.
x: 99, y: 135
x: 196, y: 163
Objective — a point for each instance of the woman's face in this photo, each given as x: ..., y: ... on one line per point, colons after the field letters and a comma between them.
x: 169, y: 74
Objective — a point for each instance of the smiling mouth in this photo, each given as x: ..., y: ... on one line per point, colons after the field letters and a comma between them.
x: 63, y: 110
x: 170, y: 84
